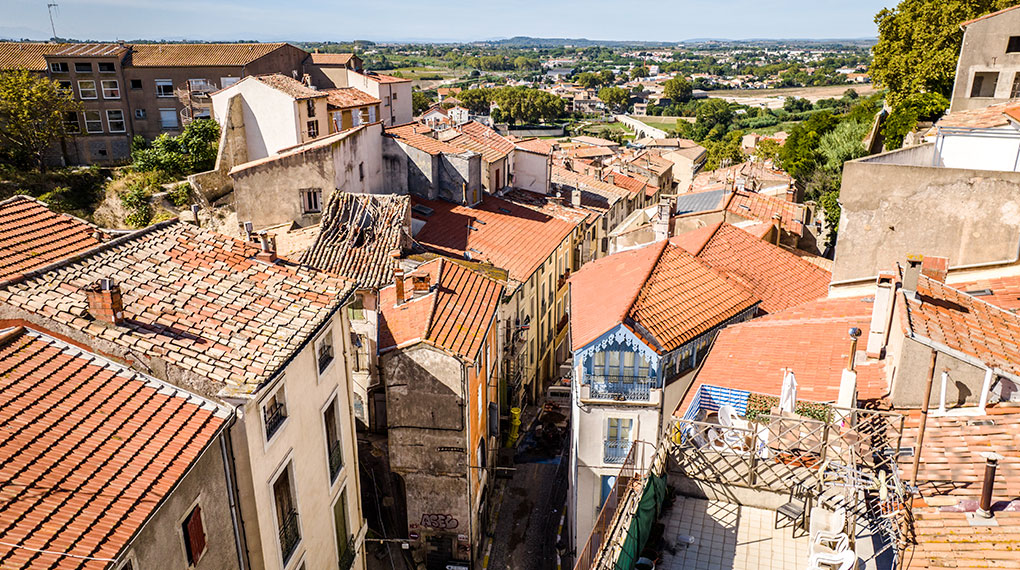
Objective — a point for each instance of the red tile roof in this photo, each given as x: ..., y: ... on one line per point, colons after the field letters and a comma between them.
x: 192, y: 297
x: 32, y: 236
x: 986, y: 16
x: 651, y: 161
x: 755, y: 206
x: 380, y: 78
x: 631, y: 184
x: 479, y: 138
x: 962, y: 322
x: 610, y: 192
x: 589, y: 152
x: 199, y: 55
x: 984, y: 118
x: 413, y: 136
x: 348, y: 97
x: 671, y: 296
x: 455, y: 315
x: 810, y: 339
x: 331, y: 58
x: 1005, y: 291
x: 27, y: 55
x: 539, y: 146
x: 594, y: 141
x: 779, y: 278
x: 507, y: 235
x: 90, y: 450
x: 290, y: 86
x: 946, y: 539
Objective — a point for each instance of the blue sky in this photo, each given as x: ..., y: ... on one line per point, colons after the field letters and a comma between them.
x: 448, y: 20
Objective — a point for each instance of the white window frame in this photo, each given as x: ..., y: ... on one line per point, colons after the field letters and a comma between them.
x: 163, y: 83
x: 305, y: 210
x: 180, y: 531
x: 94, y: 89
x: 228, y: 81
x: 140, y: 114
x: 85, y: 117
x: 59, y: 67
x: 163, y: 125
x: 116, y: 88
x: 109, y: 121
x: 312, y: 123
x: 287, y: 465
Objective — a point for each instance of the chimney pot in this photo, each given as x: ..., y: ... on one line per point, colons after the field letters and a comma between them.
x: 105, y: 301
x: 194, y: 212
x: 421, y: 284
x: 268, y: 245
x: 911, y: 272
x: 398, y: 281
x: 987, y: 486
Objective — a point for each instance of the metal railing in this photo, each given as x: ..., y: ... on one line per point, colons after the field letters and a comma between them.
x: 274, y: 415
x: 290, y: 535
x: 325, y: 356
x: 588, y: 555
x: 616, y: 450
x: 336, y: 459
x: 621, y: 388
x: 348, y: 555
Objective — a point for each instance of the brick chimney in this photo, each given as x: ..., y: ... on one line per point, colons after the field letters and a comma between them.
x: 421, y: 284
x: 935, y: 268
x: 398, y: 281
x: 105, y: 301
x: 791, y: 194
x: 268, y: 245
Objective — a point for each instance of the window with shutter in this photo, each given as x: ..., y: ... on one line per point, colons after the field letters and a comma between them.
x: 194, y: 535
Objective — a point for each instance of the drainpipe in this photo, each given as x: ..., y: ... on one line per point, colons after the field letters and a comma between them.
x: 991, y: 462
x: 227, y: 452
x: 924, y: 414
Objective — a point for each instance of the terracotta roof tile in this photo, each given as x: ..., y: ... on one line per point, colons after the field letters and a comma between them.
x: 331, y: 58
x: 32, y: 236
x: 192, y: 297
x: 669, y: 294
x: 199, y: 55
x: 962, y: 322
x: 90, y: 449
x: 497, y: 231
x: 454, y: 315
x: 483, y: 140
x: 27, y: 55
x: 347, y: 97
x: 984, y: 118
x: 594, y: 141
x: 539, y: 146
x: 589, y: 152
x: 381, y: 78
x: 631, y: 184
x: 755, y: 206
x: 779, y: 278
x: 610, y: 192
x: 414, y: 135
x: 290, y: 86
x: 357, y: 234
x: 1004, y: 291
x: 986, y: 16
x: 810, y: 339
x: 946, y: 539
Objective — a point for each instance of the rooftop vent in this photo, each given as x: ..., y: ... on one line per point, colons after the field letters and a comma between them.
x: 979, y: 293
x: 423, y: 210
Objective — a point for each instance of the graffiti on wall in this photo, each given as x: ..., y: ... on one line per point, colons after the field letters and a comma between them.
x: 439, y: 522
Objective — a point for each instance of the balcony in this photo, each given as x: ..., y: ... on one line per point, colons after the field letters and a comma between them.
x: 336, y: 459
x: 348, y: 555
x: 275, y: 414
x: 290, y: 535
x: 621, y: 388
x: 615, y: 450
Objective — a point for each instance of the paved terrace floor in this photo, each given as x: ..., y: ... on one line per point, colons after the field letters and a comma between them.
x: 729, y: 536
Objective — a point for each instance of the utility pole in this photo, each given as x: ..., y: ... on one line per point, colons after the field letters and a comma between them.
x: 49, y: 8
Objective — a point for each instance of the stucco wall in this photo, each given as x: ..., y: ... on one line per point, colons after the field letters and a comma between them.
x: 531, y: 171
x: 160, y: 543
x: 890, y: 211
x: 984, y: 49
x: 270, y: 116
x: 963, y: 386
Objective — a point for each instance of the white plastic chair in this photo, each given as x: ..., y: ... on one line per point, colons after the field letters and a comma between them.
x: 827, y: 542
x: 845, y: 560
x: 726, y: 438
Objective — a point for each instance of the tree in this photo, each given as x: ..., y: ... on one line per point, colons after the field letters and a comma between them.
x: 799, y: 155
x: 477, y: 101
x: 713, y: 113
x: 677, y: 90
x: 420, y: 102
x: 607, y: 76
x: 33, y: 114
x: 919, y: 43
x: 905, y: 115
x: 724, y: 152
x: 525, y: 105
x: 525, y: 63
x: 796, y: 105
x: 614, y: 97
x: 588, y: 80
x: 845, y: 142
x: 192, y: 151
x: 766, y: 150
x: 639, y: 71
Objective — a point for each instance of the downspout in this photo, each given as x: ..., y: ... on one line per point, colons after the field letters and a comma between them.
x: 466, y: 411
x: 227, y: 452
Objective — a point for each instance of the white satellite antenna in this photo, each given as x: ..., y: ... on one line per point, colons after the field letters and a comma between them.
x: 50, y: 7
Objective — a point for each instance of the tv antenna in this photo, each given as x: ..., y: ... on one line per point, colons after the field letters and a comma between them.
x: 49, y: 8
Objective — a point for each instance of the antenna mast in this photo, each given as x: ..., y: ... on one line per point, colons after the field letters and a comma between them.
x: 49, y: 8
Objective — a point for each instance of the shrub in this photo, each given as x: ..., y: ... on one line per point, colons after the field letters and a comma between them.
x: 192, y: 151
x: 180, y: 195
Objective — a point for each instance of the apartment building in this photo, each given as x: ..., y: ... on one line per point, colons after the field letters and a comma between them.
x: 339, y: 70
x: 141, y: 89
x: 440, y: 363
x: 223, y: 319
x: 988, y: 71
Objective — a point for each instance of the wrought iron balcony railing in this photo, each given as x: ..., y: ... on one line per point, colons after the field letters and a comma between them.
x: 621, y: 388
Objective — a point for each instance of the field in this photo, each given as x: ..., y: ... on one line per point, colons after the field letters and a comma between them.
x: 665, y: 123
x: 810, y: 93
